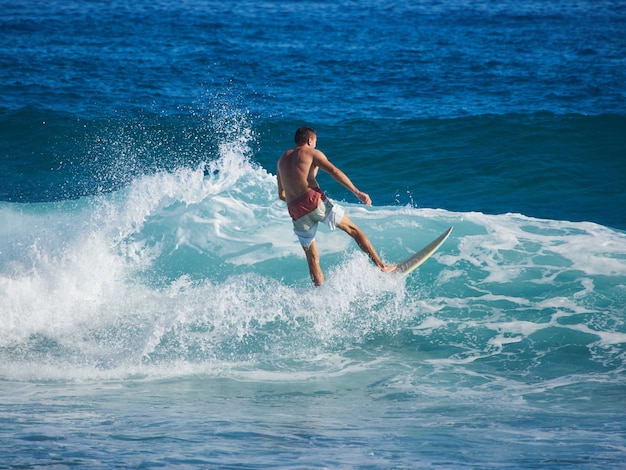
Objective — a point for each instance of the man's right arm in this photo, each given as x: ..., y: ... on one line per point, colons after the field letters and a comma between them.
x: 281, y: 190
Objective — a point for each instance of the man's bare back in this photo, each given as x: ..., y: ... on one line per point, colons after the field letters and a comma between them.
x: 296, y: 172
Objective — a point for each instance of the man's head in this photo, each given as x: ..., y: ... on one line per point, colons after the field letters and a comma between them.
x: 304, y: 134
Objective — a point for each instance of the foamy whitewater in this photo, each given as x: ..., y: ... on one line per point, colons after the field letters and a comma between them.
x: 156, y: 308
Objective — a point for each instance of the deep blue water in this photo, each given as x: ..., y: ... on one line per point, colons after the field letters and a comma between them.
x: 155, y: 307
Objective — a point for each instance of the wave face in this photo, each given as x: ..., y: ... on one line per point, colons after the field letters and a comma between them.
x: 199, y: 267
x: 561, y: 167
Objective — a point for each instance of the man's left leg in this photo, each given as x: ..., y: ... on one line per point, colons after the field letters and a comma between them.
x: 364, y: 243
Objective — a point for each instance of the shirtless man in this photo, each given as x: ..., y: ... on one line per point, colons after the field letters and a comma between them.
x: 308, y: 205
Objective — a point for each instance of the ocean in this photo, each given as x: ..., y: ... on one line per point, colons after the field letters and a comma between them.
x: 156, y: 309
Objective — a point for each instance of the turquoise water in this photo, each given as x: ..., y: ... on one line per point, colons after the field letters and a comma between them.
x: 155, y: 307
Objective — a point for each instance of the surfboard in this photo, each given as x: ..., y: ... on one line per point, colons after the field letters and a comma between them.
x: 416, y: 259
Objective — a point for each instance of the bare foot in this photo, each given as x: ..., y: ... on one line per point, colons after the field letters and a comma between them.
x: 389, y: 268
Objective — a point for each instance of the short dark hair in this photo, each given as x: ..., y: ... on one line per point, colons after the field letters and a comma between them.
x: 303, y: 134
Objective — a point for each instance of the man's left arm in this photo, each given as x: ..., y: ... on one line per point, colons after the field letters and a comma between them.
x: 322, y: 161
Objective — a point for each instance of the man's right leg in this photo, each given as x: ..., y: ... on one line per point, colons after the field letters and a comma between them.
x: 312, y: 257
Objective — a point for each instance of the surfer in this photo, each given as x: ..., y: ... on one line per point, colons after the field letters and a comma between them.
x: 308, y: 205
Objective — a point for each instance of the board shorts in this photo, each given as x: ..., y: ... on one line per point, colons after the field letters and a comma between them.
x: 309, y: 210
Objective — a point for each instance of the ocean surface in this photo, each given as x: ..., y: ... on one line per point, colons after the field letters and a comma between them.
x: 156, y: 309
